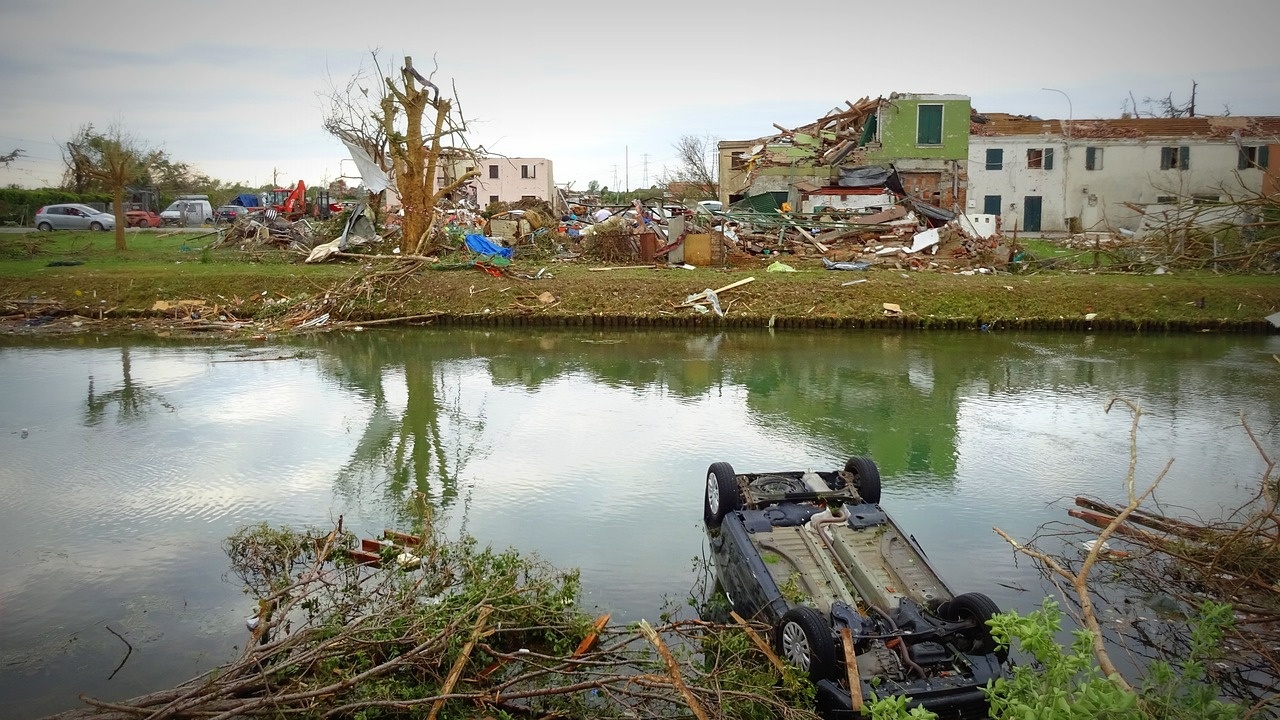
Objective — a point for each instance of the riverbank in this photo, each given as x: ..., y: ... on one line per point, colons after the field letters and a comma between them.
x: 163, y: 283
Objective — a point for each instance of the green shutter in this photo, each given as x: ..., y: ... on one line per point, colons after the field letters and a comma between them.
x: 1048, y: 158
x: 929, y: 125
x: 1242, y: 160
x: 868, y: 131
x: 1184, y: 157
x: 1264, y: 161
x: 995, y: 158
x: 1091, y: 158
x: 1166, y: 158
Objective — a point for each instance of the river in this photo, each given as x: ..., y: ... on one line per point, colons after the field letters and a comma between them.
x: 126, y: 462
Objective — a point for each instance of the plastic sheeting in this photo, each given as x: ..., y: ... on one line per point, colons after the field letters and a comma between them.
x: 484, y: 246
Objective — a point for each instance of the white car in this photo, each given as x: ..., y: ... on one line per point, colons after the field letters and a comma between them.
x: 711, y: 207
x: 73, y: 216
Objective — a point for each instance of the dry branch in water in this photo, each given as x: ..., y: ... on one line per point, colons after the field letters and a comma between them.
x: 1188, y: 563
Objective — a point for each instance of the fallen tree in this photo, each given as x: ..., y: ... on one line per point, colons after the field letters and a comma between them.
x: 448, y: 626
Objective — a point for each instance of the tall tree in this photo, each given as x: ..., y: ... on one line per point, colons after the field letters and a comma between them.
x: 7, y: 158
x: 396, y: 132
x: 112, y: 159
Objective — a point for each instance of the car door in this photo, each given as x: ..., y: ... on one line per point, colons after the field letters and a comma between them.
x: 76, y: 219
x: 61, y: 218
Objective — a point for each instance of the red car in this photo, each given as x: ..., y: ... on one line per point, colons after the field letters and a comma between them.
x: 141, y: 218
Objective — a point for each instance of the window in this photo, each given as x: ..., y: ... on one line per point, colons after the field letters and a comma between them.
x: 528, y: 171
x: 1175, y: 158
x: 990, y: 204
x: 929, y: 125
x: 493, y: 199
x: 995, y: 159
x: 493, y: 173
x: 1040, y: 158
x: 1166, y: 199
x: 1254, y: 157
x: 1093, y: 158
x: 1204, y: 199
x: 470, y: 168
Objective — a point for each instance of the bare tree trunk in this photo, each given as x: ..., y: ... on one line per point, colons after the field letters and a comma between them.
x: 118, y: 207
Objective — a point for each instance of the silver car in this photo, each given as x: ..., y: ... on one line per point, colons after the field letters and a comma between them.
x: 73, y: 216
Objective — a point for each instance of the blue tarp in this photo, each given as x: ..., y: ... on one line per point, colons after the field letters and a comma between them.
x: 482, y: 245
x: 245, y: 200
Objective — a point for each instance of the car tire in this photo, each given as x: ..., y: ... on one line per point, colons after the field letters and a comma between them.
x: 978, y: 608
x: 96, y: 226
x: 44, y: 227
x: 804, y: 640
x: 866, y: 477
x: 722, y: 495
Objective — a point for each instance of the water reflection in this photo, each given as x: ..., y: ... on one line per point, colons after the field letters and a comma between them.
x: 589, y: 448
x: 132, y: 399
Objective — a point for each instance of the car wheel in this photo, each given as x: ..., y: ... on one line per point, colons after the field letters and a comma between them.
x: 804, y: 640
x: 722, y: 495
x: 866, y: 477
x: 978, y: 609
x: 44, y: 227
x: 96, y: 226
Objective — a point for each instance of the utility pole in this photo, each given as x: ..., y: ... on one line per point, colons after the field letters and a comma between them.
x: 626, y: 168
x: 646, y: 169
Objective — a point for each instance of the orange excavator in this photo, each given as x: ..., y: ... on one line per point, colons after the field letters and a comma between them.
x: 289, y: 204
x: 292, y: 204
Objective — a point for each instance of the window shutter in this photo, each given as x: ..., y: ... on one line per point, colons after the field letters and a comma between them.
x: 929, y: 125
x: 1166, y: 158
x: 1048, y: 158
x: 1184, y: 157
x: 1090, y: 157
x: 995, y: 158
x: 1242, y: 160
x: 1264, y: 161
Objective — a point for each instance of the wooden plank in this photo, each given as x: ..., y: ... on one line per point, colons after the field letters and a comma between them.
x: 703, y: 296
x: 851, y: 669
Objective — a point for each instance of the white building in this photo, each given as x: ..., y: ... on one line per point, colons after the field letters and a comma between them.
x: 512, y: 179
x: 1058, y: 176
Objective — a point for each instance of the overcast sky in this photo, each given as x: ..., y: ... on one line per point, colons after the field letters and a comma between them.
x: 603, y: 90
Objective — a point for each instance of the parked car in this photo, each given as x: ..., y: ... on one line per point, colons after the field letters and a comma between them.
x: 141, y: 218
x: 232, y: 213
x: 73, y: 216
x: 815, y: 556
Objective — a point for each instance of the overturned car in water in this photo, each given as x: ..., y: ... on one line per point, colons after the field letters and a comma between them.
x: 852, y: 599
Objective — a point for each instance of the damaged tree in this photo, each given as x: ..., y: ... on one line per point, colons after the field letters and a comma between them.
x: 391, y: 134
x: 112, y: 159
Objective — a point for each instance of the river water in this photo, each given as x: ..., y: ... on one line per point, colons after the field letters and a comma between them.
x: 125, y: 463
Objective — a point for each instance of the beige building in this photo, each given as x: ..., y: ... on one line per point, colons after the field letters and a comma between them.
x: 513, y: 179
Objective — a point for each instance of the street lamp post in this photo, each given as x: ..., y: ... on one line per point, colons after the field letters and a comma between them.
x: 1066, y: 154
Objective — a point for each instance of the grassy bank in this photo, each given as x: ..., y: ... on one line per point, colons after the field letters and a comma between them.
x: 81, y: 274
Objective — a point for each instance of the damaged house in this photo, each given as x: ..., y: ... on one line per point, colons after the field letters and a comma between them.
x: 1099, y: 175
x: 924, y: 137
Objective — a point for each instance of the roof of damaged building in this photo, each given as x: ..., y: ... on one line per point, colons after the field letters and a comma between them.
x: 1208, y: 127
x: 827, y: 139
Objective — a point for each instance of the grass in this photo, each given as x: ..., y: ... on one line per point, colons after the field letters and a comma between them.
x: 172, y: 266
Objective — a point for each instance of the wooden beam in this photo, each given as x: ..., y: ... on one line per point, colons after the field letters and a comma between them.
x: 851, y: 669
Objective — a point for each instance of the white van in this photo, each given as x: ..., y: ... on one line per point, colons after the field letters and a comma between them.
x: 188, y: 210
